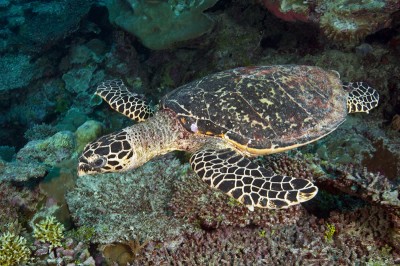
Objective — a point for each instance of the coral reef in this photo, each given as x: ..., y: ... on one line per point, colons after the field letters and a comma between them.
x: 13, y: 250
x: 357, y: 240
x: 39, y: 24
x: 39, y: 131
x: 21, y: 171
x: 49, y: 231
x: 16, y: 71
x: 53, y: 53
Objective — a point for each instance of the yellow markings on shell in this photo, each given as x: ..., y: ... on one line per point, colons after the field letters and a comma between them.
x: 245, y: 118
x: 278, y: 117
x: 292, y: 125
x: 265, y: 100
x: 254, y: 123
x: 273, y: 92
x: 307, y: 119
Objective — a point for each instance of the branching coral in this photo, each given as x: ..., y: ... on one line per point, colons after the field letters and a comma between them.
x: 359, y: 238
x: 49, y: 231
x: 13, y: 250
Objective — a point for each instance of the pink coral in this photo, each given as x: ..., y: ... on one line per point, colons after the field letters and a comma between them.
x: 360, y: 238
x: 274, y: 7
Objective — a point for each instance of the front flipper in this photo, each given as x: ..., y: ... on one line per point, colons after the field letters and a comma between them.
x: 250, y: 184
x: 362, y: 97
x: 130, y: 104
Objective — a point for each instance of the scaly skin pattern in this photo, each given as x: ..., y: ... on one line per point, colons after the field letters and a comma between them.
x: 133, y: 146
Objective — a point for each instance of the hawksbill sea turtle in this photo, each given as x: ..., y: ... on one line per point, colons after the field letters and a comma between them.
x: 226, y: 117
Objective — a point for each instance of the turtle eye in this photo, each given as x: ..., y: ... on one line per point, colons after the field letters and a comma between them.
x: 99, y: 162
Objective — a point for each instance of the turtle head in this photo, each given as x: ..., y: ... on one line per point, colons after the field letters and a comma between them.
x: 110, y: 153
x: 362, y: 97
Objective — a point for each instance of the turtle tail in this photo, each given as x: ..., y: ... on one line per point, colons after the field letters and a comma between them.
x: 362, y: 97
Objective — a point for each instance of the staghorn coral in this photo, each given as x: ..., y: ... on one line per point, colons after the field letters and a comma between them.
x: 49, y: 231
x: 371, y: 187
x: 369, y: 229
x: 13, y: 250
x: 358, y: 240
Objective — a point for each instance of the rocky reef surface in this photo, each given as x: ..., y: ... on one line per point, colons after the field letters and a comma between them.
x: 52, y: 55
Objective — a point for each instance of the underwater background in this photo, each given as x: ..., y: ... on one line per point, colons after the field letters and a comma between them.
x: 54, y: 53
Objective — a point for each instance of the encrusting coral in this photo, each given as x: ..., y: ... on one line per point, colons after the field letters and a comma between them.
x: 49, y: 231
x: 342, y: 21
x: 13, y: 250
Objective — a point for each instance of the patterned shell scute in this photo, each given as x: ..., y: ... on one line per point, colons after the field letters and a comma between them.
x: 266, y: 107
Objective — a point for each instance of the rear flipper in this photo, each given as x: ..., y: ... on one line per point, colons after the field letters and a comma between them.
x: 130, y: 104
x: 362, y: 97
x: 250, y: 184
